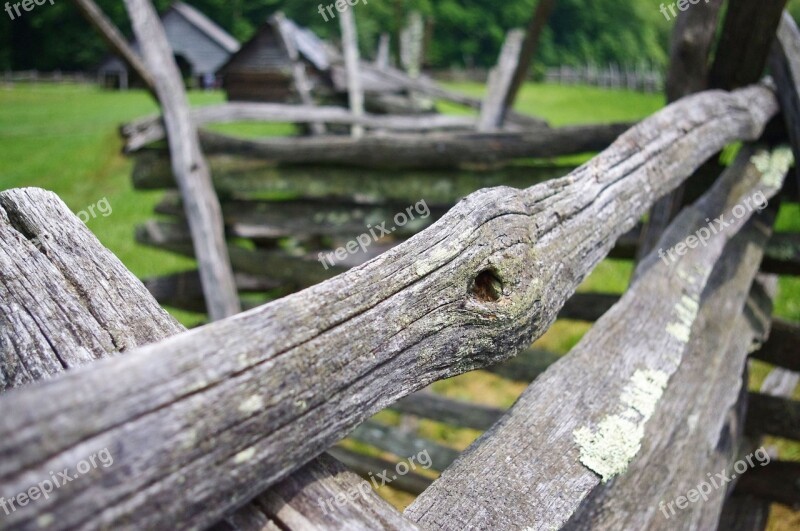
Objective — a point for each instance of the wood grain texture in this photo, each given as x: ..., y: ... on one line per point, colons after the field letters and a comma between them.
x: 188, y: 165
x: 74, y: 294
x: 246, y: 401
x: 533, y: 458
x: 65, y: 300
x: 784, y: 64
x: 695, y: 430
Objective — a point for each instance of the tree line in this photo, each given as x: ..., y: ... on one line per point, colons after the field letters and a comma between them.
x: 459, y: 33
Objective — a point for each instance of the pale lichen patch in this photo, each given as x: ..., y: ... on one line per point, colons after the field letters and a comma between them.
x: 773, y: 166
x: 685, y: 312
x: 617, y: 439
x: 244, y: 455
x: 609, y: 450
x: 252, y: 404
x: 644, y: 391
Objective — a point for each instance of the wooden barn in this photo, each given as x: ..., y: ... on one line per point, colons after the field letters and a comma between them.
x: 262, y: 70
x: 201, y: 47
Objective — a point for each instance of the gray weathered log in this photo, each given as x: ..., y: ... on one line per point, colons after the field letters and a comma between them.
x: 188, y: 165
x: 435, y: 150
x: 242, y: 403
x: 588, y: 306
x: 313, y: 498
x: 784, y: 63
x: 148, y: 130
x: 692, y: 38
x: 525, y: 367
x: 448, y: 411
x: 403, y: 445
x: 279, y: 219
x: 368, y: 467
x: 499, y: 84
x: 243, y: 177
x: 272, y: 265
x: 557, y: 451
x: 64, y: 299
x: 743, y: 512
x: 696, y: 429
x: 63, y: 291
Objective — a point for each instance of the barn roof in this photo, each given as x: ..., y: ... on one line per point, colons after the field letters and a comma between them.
x: 207, y: 26
x: 264, y: 51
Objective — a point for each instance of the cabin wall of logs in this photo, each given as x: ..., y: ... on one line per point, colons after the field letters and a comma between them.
x: 236, y: 425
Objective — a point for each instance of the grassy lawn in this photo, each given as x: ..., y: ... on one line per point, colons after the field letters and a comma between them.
x: 65, y: 139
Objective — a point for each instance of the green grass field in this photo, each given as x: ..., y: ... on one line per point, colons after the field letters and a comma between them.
x: 64, y: 139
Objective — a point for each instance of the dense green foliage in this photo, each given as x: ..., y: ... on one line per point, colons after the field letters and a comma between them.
x: 461, y: 32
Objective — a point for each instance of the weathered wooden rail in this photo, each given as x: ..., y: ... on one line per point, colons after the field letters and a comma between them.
x: 243, y: 404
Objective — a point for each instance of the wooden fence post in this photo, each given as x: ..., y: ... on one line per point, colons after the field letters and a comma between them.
x: 301, y: 82
x: 188, y: 164
x: 500, y: 80
x: 692, y: 38
x: 351, y: 60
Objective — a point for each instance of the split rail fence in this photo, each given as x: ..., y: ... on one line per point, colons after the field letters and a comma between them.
x: 234, y: 425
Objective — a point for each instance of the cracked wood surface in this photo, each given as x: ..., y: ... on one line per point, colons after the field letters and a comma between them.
x: 693, y: 432
x: 245, y: 401
x: 62, y: 289
x: 546, y: 456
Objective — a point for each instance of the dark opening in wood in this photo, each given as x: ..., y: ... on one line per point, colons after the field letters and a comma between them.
x: 487, y: 287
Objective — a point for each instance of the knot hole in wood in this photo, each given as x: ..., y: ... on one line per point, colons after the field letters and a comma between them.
x: 487, y: 286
